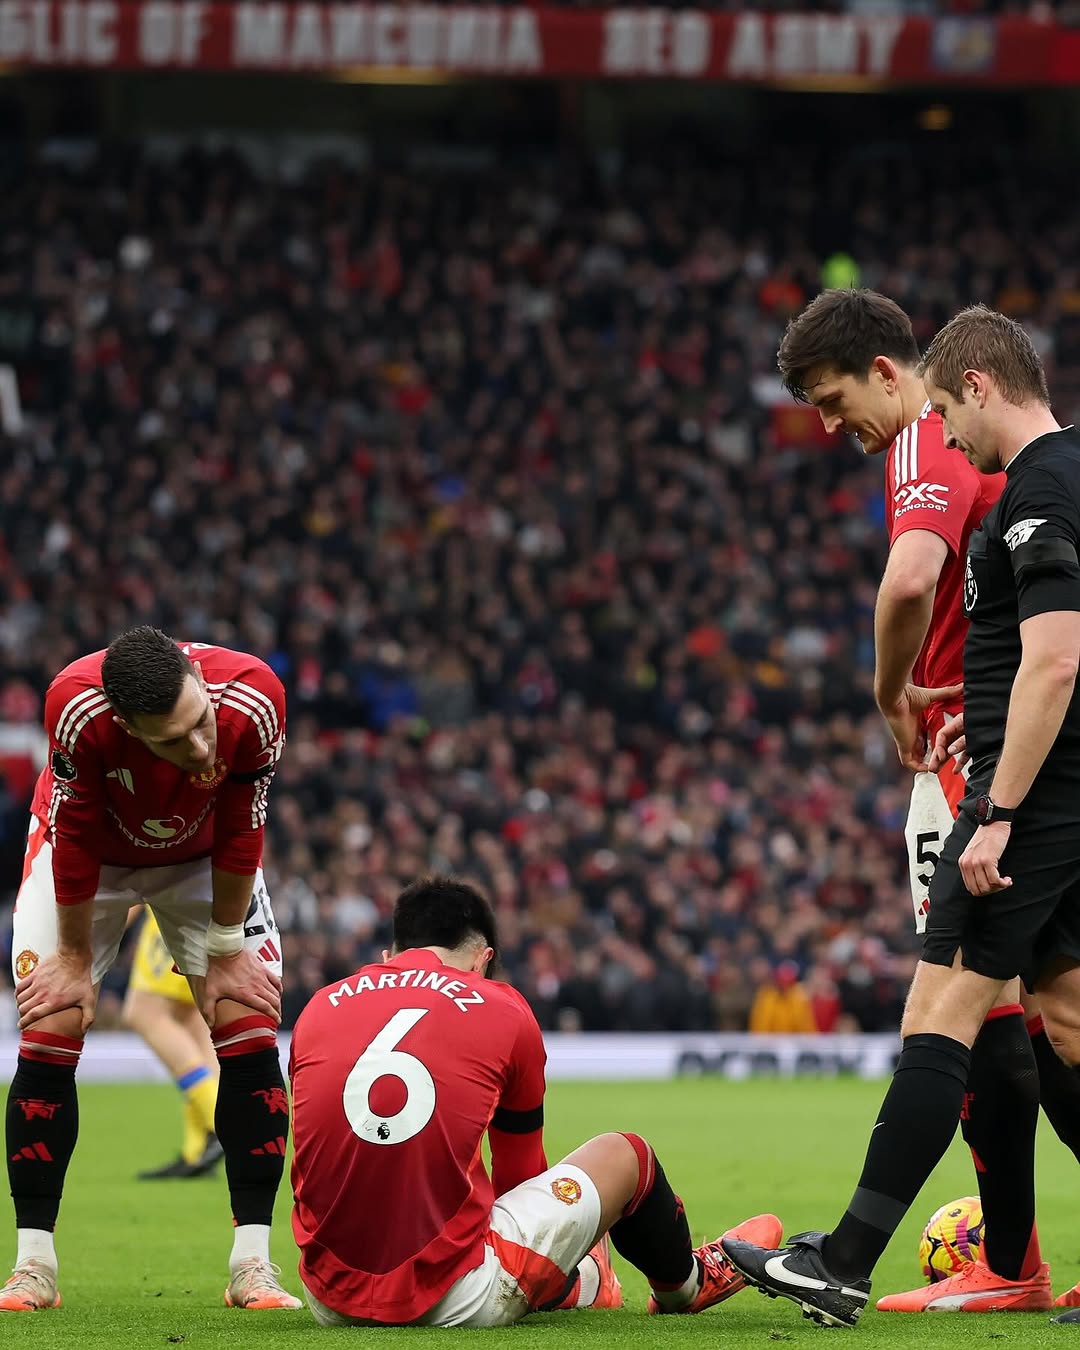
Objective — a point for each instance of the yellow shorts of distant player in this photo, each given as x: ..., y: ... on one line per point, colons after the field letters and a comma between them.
x: 152, y: 966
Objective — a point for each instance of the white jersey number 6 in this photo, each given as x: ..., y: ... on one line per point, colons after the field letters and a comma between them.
x: 380, y: 1058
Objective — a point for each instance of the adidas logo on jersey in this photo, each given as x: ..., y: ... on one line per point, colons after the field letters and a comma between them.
x: 1021, y: 532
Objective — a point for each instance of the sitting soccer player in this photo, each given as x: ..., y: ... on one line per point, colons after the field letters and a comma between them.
x: 160, y: 1007
x: 397, y: 1072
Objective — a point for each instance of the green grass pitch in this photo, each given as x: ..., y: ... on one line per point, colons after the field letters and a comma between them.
x: 143, y: 1265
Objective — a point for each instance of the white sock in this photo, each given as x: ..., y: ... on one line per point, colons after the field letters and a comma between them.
x: 674, y: 1299
x: 249, y: 1239
x: 589, y: 1282
x: 36, y: 1244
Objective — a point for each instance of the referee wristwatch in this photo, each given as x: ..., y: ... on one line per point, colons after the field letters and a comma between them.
x: 987, y: 810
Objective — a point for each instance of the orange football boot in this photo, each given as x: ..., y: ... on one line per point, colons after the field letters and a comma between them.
x: 256, y: 1285
x: 1069, y: 1299
x: 31, y: 1288
x: 609, y: 1295
x: 719, y: 1278
x: 975, y: 1289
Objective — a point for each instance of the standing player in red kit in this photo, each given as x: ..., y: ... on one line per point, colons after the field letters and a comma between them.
x: 161, y: 758
x: 397, y: 1072
x: 852, y: 354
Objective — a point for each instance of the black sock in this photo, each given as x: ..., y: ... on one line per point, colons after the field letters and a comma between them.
x: 42, y: 1127
x: 916, y: 1122
x: 998, y: 1121
x: 1059, y: 1089
x: 252, y: 1123
x: 654, y: 1236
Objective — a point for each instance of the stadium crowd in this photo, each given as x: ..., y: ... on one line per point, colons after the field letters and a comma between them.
x: 487, y: 466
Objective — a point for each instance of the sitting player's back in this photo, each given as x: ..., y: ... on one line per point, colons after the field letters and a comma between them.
x: 393, y: 1201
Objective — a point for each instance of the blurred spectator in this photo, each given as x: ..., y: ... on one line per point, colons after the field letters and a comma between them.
x: 781, y: 1005
x: 824, y: 999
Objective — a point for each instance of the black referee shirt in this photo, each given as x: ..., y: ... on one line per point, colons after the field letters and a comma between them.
x: 1023, y: 560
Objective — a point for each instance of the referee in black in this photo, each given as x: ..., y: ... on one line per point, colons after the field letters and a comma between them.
x: 1005, y: 898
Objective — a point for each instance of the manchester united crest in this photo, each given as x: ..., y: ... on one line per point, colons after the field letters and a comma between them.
x: 210, y: 778
x: 566, y: 1189
x: 25, y: 962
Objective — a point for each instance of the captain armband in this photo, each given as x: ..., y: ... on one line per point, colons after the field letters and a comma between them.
x: 254, y: 775
x: 518, y: 1122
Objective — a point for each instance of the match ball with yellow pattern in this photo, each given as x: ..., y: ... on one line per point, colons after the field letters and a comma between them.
x: 951, y: 1239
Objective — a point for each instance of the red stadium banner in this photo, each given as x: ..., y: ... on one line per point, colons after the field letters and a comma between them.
x: 439, y: 40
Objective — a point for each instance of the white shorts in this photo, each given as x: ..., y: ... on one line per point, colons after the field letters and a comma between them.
x: 929, y: 822
x: 540, y: 1232
x: 181, y: 897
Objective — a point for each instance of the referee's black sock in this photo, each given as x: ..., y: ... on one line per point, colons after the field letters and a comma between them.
x: 916, y: 1122
x: 998, y: 1122
x: 1059, y: 1088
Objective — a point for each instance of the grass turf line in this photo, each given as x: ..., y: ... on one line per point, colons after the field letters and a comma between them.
x: 144, y: 1264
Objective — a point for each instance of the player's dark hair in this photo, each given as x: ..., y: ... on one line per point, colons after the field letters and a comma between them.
x: 981, y: 339
x: 143, y: 673
x: 443, y: 912
x: 845, y: 329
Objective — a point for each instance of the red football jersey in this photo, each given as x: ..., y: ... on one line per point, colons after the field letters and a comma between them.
x: 396, y: 1074
x: 106, y: 799
x: 929, y: 487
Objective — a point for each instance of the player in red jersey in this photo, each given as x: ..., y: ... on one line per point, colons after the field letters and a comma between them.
x: 853, y: 356
x: 161, y: 758
x: 397, y: 1072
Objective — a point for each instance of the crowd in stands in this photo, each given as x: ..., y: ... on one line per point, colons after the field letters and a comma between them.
x: 486, y: 466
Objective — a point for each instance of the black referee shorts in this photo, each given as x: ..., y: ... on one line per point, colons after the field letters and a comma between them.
x: 1017, y: 931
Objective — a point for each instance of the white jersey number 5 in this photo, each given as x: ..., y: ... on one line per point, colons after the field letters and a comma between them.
x: 381, y: 1058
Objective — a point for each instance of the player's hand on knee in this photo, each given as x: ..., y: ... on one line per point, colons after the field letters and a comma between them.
x: 245, y: 979
x: 950, y: 743
x: 57, y: 983
x: 979, y: 861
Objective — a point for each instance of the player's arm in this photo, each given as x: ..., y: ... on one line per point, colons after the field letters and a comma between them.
x: 1041, y: 693
x: 927, y: 531
x: 76, y: 823
x: 516, y: 1130
x: 905, y: 606
x: 1046, y: 570
x: 240, y: 808
x: 239, y: 822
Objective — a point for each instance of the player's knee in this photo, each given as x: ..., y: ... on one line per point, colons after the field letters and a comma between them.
x: 941, y: 1003
x: 1064, y: 1037
x: 640, y: 1162
x: 56, y: 1040
x: 67, y: 1024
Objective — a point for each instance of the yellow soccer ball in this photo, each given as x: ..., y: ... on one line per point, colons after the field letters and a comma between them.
x: 951, y: 1238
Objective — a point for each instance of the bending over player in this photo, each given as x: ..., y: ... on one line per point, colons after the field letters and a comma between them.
x: 160, y: 1008
x: 155, y: 792
x: 397, y: 1072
